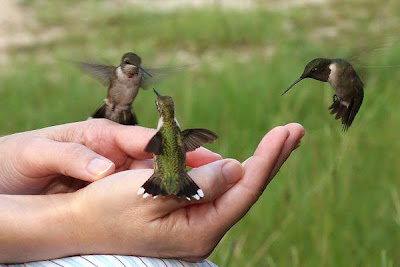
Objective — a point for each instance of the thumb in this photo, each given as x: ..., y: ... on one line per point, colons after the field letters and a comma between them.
x: 47, y: 157
x: 217, y: 177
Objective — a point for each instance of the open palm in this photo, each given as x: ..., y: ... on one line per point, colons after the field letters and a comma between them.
x: 173, y: 227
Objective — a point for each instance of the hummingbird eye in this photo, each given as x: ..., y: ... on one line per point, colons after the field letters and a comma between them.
x: 126, y: 61
x: 314, y: 69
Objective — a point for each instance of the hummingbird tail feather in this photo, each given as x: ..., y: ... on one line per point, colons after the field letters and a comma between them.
x: 125, y: 117
x: 100, y: 112
x: 152, y: 187
x: 346, y: 112
x: 189, y: 188
x: 333, y: 108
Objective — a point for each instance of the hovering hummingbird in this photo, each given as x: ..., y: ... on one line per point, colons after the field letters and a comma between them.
x: 123, y: 84
x: 169, y: 146
x: 349, y: 92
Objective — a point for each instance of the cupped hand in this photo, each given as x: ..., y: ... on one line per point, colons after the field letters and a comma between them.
x: 67, y: 157
x: 113, y: 219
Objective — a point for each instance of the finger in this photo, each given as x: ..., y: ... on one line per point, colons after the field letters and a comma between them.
x: 47, y: 157
x: 200, y: 157
x: 232, y: 205
x: 63, y: 184
x: 296, y: 132
x: 216, y: 178
x: 194, y: 159
x: 117, y: 142
x: 110, y: 139
x: 141, y: 164
x: 213, y: 179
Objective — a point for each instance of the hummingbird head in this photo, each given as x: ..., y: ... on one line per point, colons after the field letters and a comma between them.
x: 317, y: 69
x: 165, y: 105
x: 130, y: 63
x: 131, y: 59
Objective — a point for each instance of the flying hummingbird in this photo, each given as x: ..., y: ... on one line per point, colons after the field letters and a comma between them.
x: 169, y: 146
x: 349, y: 92
x: 123, y: 84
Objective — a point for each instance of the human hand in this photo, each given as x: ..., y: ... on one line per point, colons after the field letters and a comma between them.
x: 67, y: 157
x: 108, y: 217
x: 112, y: 219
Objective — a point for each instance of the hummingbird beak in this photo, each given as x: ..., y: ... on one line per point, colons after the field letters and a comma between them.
x: 156, y: 92
x: 145, y: 71
x: 293, y: 84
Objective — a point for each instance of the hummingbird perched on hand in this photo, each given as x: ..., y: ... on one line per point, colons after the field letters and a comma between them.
x: 123, y: 84
x: 169, y: 146
x: 349, y: 89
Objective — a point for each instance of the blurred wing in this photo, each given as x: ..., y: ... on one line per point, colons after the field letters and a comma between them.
x: 366, y: 58
x: 102, y: 73
x: 194, y: 138
x: 158, y: 75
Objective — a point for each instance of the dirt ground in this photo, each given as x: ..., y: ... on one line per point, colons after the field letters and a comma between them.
x: 17, y: 21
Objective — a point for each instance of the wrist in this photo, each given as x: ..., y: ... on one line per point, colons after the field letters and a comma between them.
x: 43, y: 227
x: 96, y: 233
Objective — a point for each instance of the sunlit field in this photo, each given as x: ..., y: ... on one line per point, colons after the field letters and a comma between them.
x: 336, y: 202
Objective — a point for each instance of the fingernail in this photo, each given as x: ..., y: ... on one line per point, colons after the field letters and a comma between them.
x: 303, y: 133
x: 297, y: 145
x: 232, y: 171
x: 98, y: 166
x: 244, y: 162
x: 218, y: 155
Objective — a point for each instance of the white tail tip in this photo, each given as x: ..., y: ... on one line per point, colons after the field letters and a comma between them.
x: 140, y: 191
x: 188, y: 198
x: 196, y: 197
x: 155, y: 197
x: 200, y: 193
x: 146, y: 195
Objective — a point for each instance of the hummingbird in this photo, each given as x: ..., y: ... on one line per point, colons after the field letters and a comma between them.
x: 348, y: 87
x: 123, y: 84
x: 169, y: 146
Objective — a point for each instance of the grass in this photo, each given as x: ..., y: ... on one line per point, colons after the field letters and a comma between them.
x: 336, y: 202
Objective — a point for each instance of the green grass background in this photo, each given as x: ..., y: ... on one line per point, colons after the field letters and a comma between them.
x: 336, y: 202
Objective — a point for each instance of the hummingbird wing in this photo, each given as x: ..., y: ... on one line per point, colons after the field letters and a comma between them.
x: 194, y: 138
x: 355, y: 107
x: 366, y: 57
x: 155, y: 144
x: 102, y: 73
x: 158, y: 75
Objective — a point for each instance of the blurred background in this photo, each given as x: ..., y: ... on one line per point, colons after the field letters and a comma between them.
x: 336, y: 202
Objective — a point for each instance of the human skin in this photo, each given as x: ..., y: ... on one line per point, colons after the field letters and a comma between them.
x: 46, y: 216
